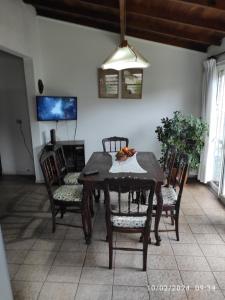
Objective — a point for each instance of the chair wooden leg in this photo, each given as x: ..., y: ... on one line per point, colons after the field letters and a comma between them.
x: 110, y: 243
x: 145, y: 250
x: 53, y: 219
x: 91, y: 206
x: 97, y: 194
x: 176, y: 217
x: 172, y: 217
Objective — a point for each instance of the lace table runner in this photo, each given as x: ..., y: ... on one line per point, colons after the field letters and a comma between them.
x: 130, y: 165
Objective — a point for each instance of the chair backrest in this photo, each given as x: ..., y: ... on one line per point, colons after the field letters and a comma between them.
x: 60, y: 160
x: 49, y: 169
x: 182, y: 163
x: 169, y: 162
x: 123, y: 206
x: 114, y: 143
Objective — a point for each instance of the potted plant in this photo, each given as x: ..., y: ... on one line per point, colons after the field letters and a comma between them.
x: 186, y: 133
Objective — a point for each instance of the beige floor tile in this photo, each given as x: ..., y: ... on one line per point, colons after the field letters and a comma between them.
x: 183, y: 228
x: 196, y: 278
x: 98, y: 246
x: 32, y: 273
x: 64, y: 274
x: 40, y: 257
x: 16, y: 256
x: 130, y: 277
x: 97, y: 259
x: 163, y: 249
x: 158, y: 262
x: 74, y: 259
x: 73, y: 245
x: 193, y: 263
x: 184, y: 249
x: 59, y: 234
x: 47, y: 245
x: 94, y: 292
x: 128, y: 260
x: 186, y: 238
x: 193, y: 211
x: 220, y: 228
x: 194, y: 294
x: 220, y: 277
x: 97, y: 276
x: 216, y: 263
x: 202, y: 228
x: 58, y: 291
x: 208, y: 238
x: 23, y: 290
x: 198, y: 219
x: 13, y: 268
x: 74, y: 234
x: 164, y: 277
x: 20, y: 244
x: 130, y: 292
x: 168, y: 295
x: 133, y: 244
x: 213, y: 250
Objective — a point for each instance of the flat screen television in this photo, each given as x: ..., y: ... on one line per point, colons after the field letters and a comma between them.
x: 54, y: 108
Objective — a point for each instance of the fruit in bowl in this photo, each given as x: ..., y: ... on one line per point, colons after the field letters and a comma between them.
x: 121, y: 156
x: 124, y: 153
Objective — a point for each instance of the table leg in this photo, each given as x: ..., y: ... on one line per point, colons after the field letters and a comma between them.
x: 87, y: 197
x: 158, y: 213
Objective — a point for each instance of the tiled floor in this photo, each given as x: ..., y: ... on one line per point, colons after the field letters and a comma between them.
x: 60, y: 266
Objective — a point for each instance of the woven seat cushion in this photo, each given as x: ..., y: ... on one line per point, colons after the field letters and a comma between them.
x: 128, y: 222
x: 71, y: 178
x: 70, y: 193
x: 169, y: 196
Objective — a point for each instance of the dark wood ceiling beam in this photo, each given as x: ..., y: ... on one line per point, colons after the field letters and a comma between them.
x: 195, y: 33
x: 176, y: 10
x: 114, y: 27
x: 218, y: 4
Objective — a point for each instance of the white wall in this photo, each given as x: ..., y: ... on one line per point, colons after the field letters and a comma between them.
x: 71, y: 55
x: 14, y: 106
x: 19, y: 35
x: 67, y: 56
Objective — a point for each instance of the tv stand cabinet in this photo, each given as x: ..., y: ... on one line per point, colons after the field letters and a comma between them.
x: 74, y: 153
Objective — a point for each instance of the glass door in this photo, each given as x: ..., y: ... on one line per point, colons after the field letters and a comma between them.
x: 218, y: 182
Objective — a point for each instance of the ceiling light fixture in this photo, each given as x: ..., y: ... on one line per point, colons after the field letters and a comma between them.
x: 125, y: 56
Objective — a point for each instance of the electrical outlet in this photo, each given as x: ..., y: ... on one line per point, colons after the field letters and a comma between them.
x: 18, y: 121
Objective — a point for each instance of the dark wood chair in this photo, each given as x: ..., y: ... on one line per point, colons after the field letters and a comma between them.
x: 168, y: 164
x: 124, y: 216
x: 64, y: 198
x: 69, y: 178
x: 114, y: 144
x: 172, y: 193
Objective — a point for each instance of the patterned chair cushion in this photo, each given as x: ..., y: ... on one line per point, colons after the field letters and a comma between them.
x: 68, y: 193
x: 128, y: 222
x: 169, y: 196
x: 71, y: 178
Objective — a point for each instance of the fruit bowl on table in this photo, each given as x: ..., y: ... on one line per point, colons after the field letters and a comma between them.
x: 124, y: 153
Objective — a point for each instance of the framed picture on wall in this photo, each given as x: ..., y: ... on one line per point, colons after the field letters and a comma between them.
x: 108, y: 83
x: 132, y: 80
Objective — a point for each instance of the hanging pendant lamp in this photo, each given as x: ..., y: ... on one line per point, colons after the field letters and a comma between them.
x: 125, y: 56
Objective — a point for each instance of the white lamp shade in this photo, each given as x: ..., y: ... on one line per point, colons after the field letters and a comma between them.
x: 125, y: 58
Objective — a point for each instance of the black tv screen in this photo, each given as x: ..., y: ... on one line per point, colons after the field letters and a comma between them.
x: 53, y: 108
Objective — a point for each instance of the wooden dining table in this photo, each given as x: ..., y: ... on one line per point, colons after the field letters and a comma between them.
x: 102, y: 161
